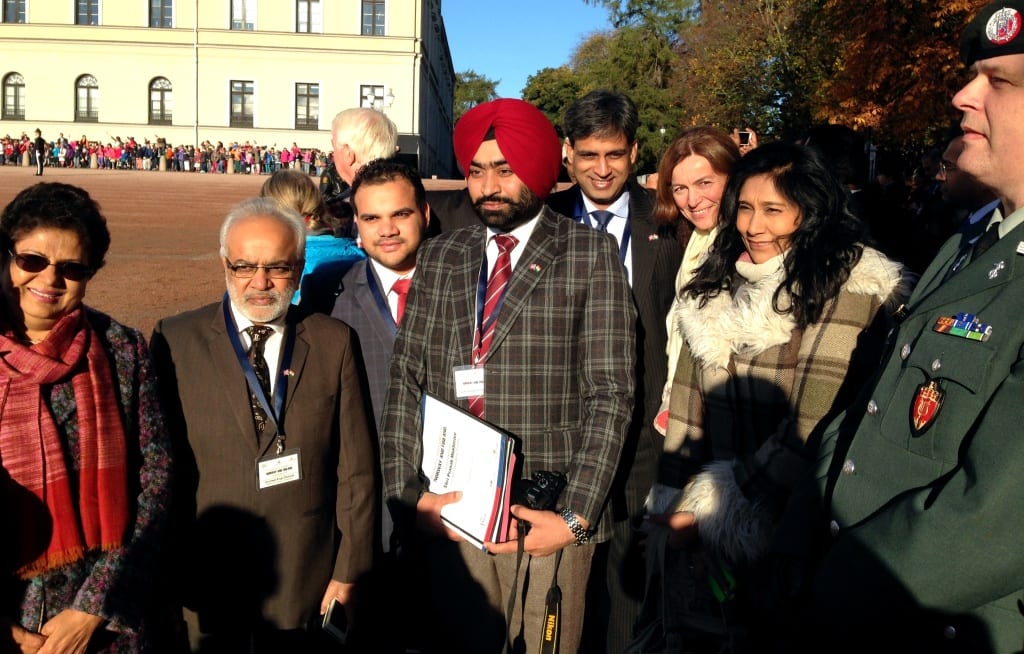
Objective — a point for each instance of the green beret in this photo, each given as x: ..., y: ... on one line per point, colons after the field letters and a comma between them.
x: 994, y: 32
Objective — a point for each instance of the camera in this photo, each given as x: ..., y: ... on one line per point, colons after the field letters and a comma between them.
x: 744, y: 138
x: 540, y: 492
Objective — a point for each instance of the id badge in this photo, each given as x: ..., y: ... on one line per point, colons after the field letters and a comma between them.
x: 469, y: 381
x: 279, y: 469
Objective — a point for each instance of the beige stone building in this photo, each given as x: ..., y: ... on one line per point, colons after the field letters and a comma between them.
x: 264, y: 71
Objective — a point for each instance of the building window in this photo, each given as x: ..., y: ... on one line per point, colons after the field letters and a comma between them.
x: 14, y: 11
x: 373, y: 18
x: 371, y: 96
x: 241, y: 104
x: 160, y: 13
x: 87, y: 99
x: 14, y: 97
x: 87, y: 12
x: 243, y: 15
x: 308, y: 18
x: 161, y: 101
x: 307, y: 106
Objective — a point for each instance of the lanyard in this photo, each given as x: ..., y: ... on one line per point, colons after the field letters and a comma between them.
x: 581, y: 215
x: 378, y: 297
x: 276, y: 414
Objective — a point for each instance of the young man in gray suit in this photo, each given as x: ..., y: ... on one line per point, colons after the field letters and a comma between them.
x: 600, y: 145
x: 552, y: 365
x: 277, y: 494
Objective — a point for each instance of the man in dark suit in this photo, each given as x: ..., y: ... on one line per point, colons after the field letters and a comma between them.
x: 278, y: 491
x: 600, y: 146
x: 552, y: 365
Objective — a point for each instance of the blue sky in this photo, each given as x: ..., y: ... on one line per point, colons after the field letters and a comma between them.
x: 511, y: 40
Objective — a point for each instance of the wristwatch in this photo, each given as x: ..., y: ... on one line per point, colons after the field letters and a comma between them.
x: 582, y: 535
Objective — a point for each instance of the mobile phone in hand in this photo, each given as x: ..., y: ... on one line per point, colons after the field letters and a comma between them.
x: 744, y: 138
x: 336, y: 621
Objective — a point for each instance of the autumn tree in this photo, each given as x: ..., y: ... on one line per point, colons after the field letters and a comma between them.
x: 887, y: 65
x: 472, y: 89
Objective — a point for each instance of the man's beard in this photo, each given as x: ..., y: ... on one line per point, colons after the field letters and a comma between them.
x: 515, y: 213
x: 261, y: 313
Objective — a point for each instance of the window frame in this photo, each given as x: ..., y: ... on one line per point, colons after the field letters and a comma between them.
x: 162, y: 7
x: 91, y: 10
x: 307, y: 123
x: 12, y: 80
x: 163, y: 87
x: 314, y: 19
x: 247, y: 15
x: 375, y: 29
x: 248, y: 90
x: 91, y: 113
x: 18, y: 8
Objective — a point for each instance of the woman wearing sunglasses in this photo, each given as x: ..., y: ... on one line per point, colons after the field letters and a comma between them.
x: 84, y: 454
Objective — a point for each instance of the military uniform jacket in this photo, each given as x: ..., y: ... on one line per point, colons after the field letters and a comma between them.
x: 927, y: 527
x: 559, y: 376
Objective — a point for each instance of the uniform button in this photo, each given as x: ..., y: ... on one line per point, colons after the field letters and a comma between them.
x: 872, y: 408
x: 834, y: 528
x: 949, y: 632
x: 936, y: 365
x: 905, y: 351
x: 849, y: 467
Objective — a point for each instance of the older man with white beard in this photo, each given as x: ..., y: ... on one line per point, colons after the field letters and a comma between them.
x: 278, y: 496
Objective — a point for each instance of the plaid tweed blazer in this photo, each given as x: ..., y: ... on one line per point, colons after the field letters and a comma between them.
x: 560, y: 372
x: 751, y: 387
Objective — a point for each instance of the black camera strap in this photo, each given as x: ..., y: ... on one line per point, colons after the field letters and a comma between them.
x: 549, y: 639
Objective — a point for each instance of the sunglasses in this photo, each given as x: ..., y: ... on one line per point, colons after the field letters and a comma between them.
x: 36, y: 263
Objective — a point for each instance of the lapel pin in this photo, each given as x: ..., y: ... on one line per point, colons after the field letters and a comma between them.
x: 288, y: 372
x: 992, y: 274
x: 654, y: 237
x: 534, y: 267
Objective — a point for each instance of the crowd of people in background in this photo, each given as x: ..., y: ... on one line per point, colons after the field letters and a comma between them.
x: 118, y: 153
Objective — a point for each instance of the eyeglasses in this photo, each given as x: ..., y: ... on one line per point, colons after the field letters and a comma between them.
x: 947, y: 168
x: 248, y: 270
x: 37, y: 263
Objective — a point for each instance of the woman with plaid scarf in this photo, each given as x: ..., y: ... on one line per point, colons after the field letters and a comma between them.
x: 781, y: 325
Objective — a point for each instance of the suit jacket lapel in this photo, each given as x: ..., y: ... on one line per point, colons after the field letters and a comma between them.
x: 223, y: 366
x: 465, y: 282
x: 533, y: 265
x: 300, y: 353
x: 368, y: 304
x: 644, y: 256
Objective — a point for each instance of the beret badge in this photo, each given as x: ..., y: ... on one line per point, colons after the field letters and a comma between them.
x: 1003, y: 26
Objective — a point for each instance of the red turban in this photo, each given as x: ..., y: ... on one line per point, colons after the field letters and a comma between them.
x: 525, y: 136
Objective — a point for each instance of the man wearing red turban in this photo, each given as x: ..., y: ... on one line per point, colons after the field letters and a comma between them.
x: 525, y: 320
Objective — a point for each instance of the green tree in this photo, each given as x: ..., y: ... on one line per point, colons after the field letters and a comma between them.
x: 552, y: 90
x: 472, y: 89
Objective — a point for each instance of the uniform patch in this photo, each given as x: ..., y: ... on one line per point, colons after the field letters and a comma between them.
x: 926, y: 406
x: 1003, y: 26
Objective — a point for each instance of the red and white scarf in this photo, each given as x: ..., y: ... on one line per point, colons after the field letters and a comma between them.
x: 52, y: 529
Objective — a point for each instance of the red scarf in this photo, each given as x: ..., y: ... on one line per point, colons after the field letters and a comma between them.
x: 51, y: 529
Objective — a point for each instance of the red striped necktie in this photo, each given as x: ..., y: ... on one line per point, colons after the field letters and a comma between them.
x: 496, y: 285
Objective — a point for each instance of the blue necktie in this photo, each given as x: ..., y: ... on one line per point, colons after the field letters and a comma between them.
x: 601, y: 219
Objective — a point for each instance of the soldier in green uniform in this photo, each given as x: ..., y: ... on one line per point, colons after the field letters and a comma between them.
x: 923, y: 480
